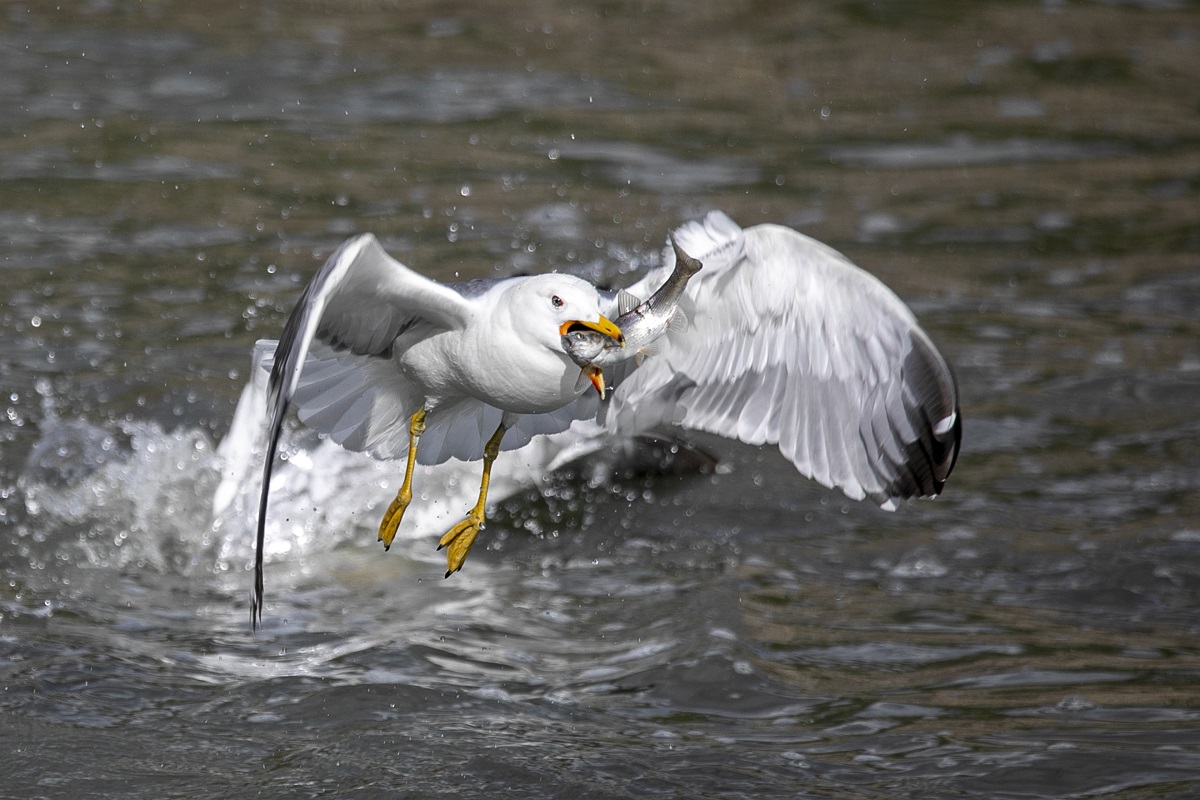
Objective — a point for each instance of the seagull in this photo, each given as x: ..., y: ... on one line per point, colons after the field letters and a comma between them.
x: 787, y: 343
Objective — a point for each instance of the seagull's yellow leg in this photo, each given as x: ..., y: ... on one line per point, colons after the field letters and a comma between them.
x: 458, y: 540
x: 395, y: 512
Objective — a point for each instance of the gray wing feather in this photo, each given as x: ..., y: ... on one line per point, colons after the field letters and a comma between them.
x: 791, y: 344
x: 360, y: 301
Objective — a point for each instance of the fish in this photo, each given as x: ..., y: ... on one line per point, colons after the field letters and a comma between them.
x: 644, y: 323
x: 641, y: 323
x: 585, y: 345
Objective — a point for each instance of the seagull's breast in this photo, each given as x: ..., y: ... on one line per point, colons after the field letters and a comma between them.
x: 511, y: 375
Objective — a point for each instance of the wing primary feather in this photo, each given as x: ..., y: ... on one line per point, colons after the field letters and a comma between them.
x: 294, y: 343
x: 256, y: 597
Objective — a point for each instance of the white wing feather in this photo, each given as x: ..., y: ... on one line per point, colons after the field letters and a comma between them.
x: 791, y: 344
x: 360, y: 300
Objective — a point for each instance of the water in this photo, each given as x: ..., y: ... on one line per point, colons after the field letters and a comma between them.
x: 1024, y: 175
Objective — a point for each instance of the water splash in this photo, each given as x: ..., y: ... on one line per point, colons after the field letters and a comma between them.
x: 136, y: 493
x: 109, y: 497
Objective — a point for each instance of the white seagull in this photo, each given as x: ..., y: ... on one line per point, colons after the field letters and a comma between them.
x: 787, y: 343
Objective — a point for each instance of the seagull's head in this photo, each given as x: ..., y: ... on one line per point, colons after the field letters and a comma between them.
x: 553, y: 306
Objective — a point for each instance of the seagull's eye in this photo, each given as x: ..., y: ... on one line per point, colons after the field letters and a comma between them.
x: 557, y: 301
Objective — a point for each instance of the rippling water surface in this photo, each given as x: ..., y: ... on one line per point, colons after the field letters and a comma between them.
x: 1026, y: 176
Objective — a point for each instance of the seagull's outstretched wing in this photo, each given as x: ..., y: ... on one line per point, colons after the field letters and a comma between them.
x: 359, y: 301
x: 791, y: 344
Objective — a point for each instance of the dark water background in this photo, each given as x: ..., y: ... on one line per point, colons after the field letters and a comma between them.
x: 1025, y: 175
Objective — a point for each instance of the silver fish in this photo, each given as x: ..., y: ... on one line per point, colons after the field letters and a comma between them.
x: 585, y: 345
x: 642, y: 323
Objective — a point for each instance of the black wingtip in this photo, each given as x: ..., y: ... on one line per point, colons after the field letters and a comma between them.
x: 255, y: 611
x: 954, y: 445
x: 931, y: 457
x: 256, y: 596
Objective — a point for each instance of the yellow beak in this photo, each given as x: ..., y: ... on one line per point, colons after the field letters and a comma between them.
x: 603, y: 325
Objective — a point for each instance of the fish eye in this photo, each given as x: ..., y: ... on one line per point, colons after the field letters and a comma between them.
x: 557, y: 301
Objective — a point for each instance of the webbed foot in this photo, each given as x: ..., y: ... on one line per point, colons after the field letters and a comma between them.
x: 458, y: 541
x: 392, y: 517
